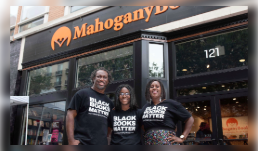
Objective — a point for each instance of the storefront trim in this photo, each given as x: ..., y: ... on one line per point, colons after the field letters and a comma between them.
x: 210, y: 31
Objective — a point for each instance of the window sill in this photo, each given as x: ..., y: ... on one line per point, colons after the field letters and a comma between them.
x: 32, y: 19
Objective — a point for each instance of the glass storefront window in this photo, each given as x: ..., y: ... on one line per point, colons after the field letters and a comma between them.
x: 46, y: 124
x: 201, y: 131
x: 48, y: 79
x: 218, y: 52
x: 119, y: 62
x: 75, y: 8
x: 13, y: 14
x: 156, y: 60
x: 31, y: 24
x: 213, y: 88
x: 234, y: 114
x: 32, y: 11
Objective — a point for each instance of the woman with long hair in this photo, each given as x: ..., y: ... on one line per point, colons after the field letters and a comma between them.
x: 160, y: 116
x: 125, y: 120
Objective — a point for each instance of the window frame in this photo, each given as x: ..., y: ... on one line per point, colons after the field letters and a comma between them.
x: 43, y: 15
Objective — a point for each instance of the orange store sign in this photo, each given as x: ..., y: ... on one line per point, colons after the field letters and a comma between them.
x: 235, y: 127
x: 64, y: 33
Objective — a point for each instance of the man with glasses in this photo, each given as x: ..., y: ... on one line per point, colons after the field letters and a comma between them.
x: 87, y: 113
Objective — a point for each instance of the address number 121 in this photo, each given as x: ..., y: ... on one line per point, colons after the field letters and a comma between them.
x: 211, y: 53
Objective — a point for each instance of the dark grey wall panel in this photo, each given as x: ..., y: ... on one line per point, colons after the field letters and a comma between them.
x: 39, y: 45
x: 14, y: 59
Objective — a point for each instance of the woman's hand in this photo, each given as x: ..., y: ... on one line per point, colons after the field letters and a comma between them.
x: 173, y: 139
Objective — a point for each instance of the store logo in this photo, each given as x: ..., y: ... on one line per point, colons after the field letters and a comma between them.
x: 232, y: 122
x: 60, y: 36
x: 64, y: 33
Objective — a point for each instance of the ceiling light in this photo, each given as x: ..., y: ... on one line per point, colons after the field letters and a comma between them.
x: 228, y: 89
x: 204, y: 109
x: 223, y: 86
x: 242, y: 60
x: 237, y: 102
x: 186, y: 108
x: 196, y: 109
x: 234, y: 98
x: 184, y: 70
x: 203, y: 87
x: 208, y: 66
x: 205, y: 106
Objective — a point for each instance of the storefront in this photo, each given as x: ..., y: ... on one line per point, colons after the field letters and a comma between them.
x: 204, y: 66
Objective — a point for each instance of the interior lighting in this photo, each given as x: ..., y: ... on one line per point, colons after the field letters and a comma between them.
x: 196, y: 109
x: 234, y: 98
x: 242, y: 60
x: 203, y: 87
x: 184, y: 70
x: 204, y: 109
x: 223, y: 86
x: 237, y: 102
x: 208, y: 66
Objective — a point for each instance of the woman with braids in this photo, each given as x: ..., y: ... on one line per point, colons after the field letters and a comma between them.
x: 160, y: 116
x: 125, y: 120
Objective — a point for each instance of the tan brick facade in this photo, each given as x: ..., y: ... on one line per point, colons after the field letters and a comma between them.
x: 55, y: 12
x: 18, y: 20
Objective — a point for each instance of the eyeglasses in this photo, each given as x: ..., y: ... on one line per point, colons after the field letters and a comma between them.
x: 122, y: 94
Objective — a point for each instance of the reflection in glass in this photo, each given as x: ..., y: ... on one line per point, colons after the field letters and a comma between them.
x: 75, y: 8
x: 213, y: 88
x: 46, y: 124
x: 11, y: 32
x: 119, y: 62
x: 13, y: 14
x: 218, y: 52
x: 31, y: 24
x: 201, y: 131
x: 32, y: 11
x: 47, y: 79
x: 234, y: 114
x: 156, y: 61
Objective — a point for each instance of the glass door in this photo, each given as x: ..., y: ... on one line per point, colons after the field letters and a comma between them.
x: 203, y: 132
x: 233, y: 119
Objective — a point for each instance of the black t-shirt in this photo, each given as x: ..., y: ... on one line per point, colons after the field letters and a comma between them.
x: 163, y: 115
x: 90, y: 124
x: 126, y: 127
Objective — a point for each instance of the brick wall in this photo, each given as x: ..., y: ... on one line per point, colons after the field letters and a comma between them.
x: 55, y: 12
x: 18, y: 20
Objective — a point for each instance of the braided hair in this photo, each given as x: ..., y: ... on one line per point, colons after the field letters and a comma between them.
x: 133, y: 103
x: 147, y: 91
x: 93, y: 74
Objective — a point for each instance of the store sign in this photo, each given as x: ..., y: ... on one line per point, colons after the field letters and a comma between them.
x: 235, y: 127
x: 64, y: 33
x: 60, y: 36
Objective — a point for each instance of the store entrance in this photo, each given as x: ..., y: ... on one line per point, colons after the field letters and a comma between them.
x: 218, y: 120
x: 232, y: 116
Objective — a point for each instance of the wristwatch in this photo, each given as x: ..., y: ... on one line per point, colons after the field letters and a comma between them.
x: 182, y: 137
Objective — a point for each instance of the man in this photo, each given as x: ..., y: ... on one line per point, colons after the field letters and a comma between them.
x: 86, y: 119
